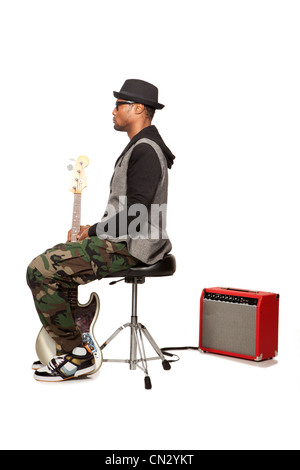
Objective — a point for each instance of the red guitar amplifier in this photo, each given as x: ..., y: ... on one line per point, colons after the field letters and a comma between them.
x: 239, y: 323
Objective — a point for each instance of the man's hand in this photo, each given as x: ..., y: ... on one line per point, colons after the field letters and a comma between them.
x: 84, y: 232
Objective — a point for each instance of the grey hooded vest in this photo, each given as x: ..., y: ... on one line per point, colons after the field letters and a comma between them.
x: 147, y: 239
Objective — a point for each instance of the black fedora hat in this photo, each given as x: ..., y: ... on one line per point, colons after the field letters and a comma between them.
x: 140, y: 92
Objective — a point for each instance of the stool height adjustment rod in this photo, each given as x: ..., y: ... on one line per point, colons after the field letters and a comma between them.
x: 133, y: 341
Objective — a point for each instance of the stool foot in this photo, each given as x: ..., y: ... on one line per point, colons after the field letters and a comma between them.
x: 166, y: 365
x: 148, y: 384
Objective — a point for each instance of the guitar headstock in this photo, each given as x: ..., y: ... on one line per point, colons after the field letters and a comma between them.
x: 78, y: 181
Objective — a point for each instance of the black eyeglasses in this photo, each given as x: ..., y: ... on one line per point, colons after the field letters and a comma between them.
x: 118, y: 103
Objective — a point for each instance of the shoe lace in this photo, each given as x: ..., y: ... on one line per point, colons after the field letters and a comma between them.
x: 55, y: 362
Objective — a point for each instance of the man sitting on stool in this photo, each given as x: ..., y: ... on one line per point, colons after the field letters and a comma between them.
x: 131, y: 231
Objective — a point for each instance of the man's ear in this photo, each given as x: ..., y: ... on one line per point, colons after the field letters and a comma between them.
x: 139, y: 108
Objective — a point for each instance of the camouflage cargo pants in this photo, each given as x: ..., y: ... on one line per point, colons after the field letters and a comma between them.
x: 51, y: 275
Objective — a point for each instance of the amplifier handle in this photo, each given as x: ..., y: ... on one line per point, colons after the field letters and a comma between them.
x: 241, y: 290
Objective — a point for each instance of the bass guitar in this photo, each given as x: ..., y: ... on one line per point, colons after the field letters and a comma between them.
x: 85, y: 315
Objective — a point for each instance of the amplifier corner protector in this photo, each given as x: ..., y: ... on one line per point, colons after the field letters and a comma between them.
x: 259, y: 358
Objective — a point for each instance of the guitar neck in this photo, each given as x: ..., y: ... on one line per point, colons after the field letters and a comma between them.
x: 76, y: 217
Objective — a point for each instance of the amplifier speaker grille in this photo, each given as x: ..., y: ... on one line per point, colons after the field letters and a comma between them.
x: 229, y: 327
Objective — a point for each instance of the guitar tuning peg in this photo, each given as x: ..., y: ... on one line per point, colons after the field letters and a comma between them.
x: 70, y: 167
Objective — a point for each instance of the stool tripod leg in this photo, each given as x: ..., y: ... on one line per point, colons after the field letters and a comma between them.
x: 143, y: 358
x: 142, y: 353
x: 165, y: 363
x: 114, y: 335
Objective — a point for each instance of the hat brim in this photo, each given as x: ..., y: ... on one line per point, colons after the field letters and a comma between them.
x: 132, y: 97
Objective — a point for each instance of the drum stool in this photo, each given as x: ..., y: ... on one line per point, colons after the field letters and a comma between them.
x: 136, y: 276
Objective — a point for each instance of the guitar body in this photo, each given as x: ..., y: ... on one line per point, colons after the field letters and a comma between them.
x: 85, y: 317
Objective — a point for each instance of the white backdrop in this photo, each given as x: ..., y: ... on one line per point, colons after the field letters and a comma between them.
x: 228, y: 73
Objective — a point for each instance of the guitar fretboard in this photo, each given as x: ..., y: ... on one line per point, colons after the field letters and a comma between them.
x: 76, y: 217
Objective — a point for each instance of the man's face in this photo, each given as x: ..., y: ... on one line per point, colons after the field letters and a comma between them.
x: 123, y: 115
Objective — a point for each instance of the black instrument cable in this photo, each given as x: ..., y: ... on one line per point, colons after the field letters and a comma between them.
x: 178, y: 348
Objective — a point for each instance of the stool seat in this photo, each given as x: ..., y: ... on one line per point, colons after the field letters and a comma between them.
x: 164, y: 267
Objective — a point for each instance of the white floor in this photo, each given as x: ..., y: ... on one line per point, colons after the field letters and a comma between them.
x: 205, y: 401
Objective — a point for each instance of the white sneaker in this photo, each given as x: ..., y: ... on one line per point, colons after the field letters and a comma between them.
x: 74, y: 364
